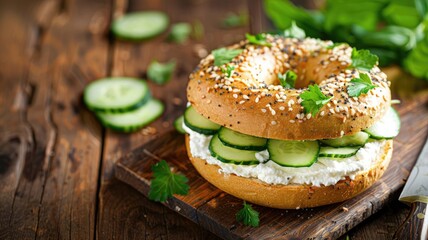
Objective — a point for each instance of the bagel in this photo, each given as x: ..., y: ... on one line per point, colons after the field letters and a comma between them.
x: 253, y: 92
x: 254, y: 138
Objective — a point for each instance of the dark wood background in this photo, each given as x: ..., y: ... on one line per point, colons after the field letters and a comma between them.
x: 56, y: 161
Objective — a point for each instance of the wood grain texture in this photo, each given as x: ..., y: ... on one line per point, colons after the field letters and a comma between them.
x: 216, y: 211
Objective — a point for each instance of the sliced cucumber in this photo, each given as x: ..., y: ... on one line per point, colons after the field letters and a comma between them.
x: 116, y: 94
x: 231, y: 155
x: 140, y: 25
x: 358, y: 139
x: 241, y: 141
x: 387, y: 127
x: 199, y: 123
x: 293, y: 153
x: 132, y: 120
x: 178, y: 124
x: 343, y: 152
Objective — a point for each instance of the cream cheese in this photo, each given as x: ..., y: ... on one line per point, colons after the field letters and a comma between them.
x: 326, y: 171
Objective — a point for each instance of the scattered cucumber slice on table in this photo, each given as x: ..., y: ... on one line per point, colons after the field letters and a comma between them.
x: 116, y: 94
x: 231, y: 155
x: 341, y: 152
x: 199, y: 123
x: 241, y: 141
x: 387, y: 127
x: 178, y: 124
x: 140, y: 25
x: 293, y: 153
x: 358, y: 139
x: 132, y: 120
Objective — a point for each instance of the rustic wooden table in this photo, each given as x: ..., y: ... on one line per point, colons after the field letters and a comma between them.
x: 56, y: 161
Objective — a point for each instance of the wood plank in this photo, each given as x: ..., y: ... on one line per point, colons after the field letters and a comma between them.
x: 57, y: 186
x: 132, y: 59
x: 329, y: 222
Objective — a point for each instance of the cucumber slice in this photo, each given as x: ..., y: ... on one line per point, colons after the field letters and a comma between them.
x: 387, y: 127
x: 133, y: 120
x: 293, y: 153
x: 199, y: 123
x: 241, y: 141
x: 140, y: 25
x: 178, y: 124
x: 231, y: 155
x: 116, y: 94
x: 358, y: 139
x: 343, y: 152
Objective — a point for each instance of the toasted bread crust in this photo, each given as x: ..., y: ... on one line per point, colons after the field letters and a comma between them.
x: 291, y: 196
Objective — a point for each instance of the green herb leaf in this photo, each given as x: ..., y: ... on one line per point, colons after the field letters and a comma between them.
x: 294, y: 31
x: 363, y: 59
x: 235, y: 20
x: 288, y: 79
x: 180, y: 32
x: 248, y: 216
x: 160, y: 73
x: 335, y: 45
x: 313, y: 99
x: 166, y: 183
x: 360, y: 85
x: 224, y: 55
x: 228, y: 70
x: 258, y: 39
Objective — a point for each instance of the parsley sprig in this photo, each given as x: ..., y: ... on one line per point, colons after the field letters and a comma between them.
x: 258, y: 39
x: 160, y: 73
x: 313, y: 99
x: 294, y: 31
x: 360, y: 85
x: 166, y: 183
x: 228, y: 70
x: 248, y: 216
x: 363, y: 59
x: 180, y: 32
x: 224, y: 55
x: 288, y: 79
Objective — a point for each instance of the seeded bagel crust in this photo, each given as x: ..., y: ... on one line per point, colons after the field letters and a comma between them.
x: 253, y: 102
x: 291, y: 196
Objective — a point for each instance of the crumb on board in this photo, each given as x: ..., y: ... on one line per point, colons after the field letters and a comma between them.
x: 345, y: 209
x: 148, y: 131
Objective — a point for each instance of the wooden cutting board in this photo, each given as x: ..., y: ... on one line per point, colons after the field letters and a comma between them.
x: 215, y: 210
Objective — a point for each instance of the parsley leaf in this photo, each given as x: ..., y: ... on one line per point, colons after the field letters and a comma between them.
x: 160, y: 73
x: 335, y: 45
x: 165, y: 183
x: 294, y: 31
x: 228, y: 70
x: 248, y: 216
x: 180, y: 32
x: 288, y: 79
x: 360, y: 85
x: 363, y: 59
x: 258, y: 39
x: 313, y: 99
x: 224, y: 55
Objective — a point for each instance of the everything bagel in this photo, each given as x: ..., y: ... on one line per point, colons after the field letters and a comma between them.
x: 289, y: 123
x: 253, y: 91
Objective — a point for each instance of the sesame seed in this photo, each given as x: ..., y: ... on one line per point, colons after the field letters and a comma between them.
x: 282, y: 108
x: 273, y: 123
x: 263, y: 110
x: 235, y: 95
x: 242, y: 102
x: 292, y: 121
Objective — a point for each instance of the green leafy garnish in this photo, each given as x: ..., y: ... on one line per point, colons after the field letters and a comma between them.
x: 360, y: 85
x: 180, y: 32
x: 228, y: 70
x: 224, y: 55
x: 160, y: 73
x: 166, y: 183
x: 198, y: 30
x: 236, y: 20
x: 335, y: 45
x: 363, y: 59
x: 313, y: 99
x: 248, y: 216
x: 288, y: 79
x: 294, y: 31
x: 258, y: 39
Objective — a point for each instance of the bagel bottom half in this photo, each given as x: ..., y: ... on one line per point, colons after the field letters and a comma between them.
x: 291, y: 196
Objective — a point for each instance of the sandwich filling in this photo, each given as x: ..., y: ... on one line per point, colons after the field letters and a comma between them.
x: 325, y: 171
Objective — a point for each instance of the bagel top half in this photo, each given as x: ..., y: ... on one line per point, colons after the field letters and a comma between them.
x: 253, y: 102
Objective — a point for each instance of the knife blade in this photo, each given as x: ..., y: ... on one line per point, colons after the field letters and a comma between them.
x: 415, y: 193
